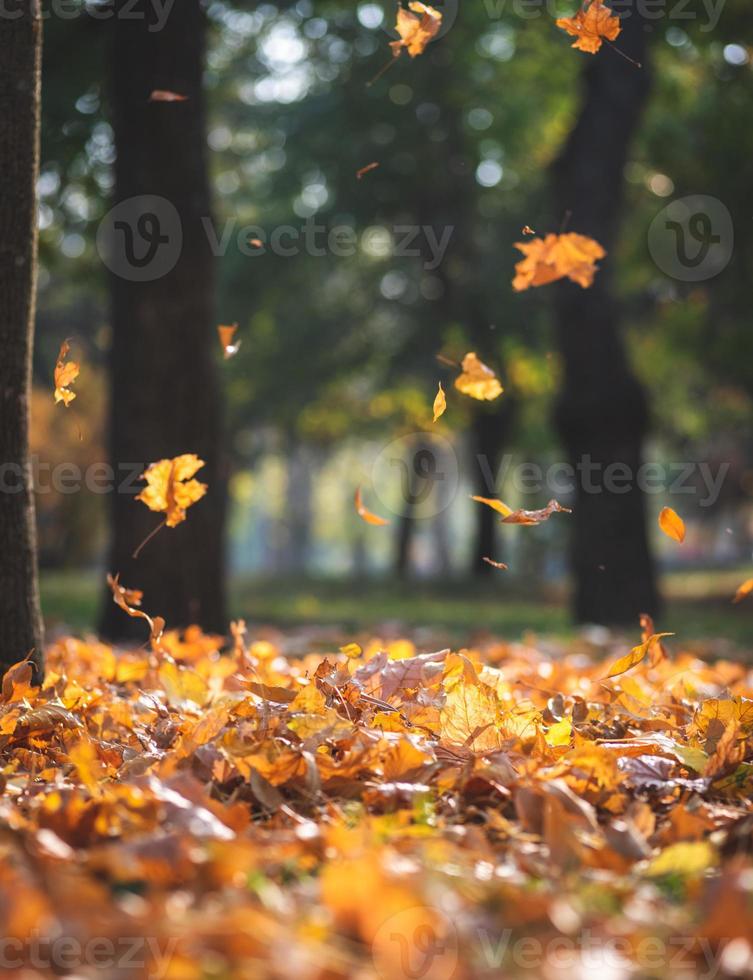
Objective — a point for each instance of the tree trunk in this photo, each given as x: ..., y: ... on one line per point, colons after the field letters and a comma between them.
x: 20, y: 59
x: 163, y: 362
x: 602, y: 411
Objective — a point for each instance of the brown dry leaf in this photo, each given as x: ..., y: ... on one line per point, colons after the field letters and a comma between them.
x: 163, y: 95
x: 530, y: 517
x: 527, y: 230
x: 366, y: 170
x: 66, y: 373
x: 477, y: 380
x: 556, y: 257
x: 416, y: 26
x: 365, y: 514
x: 672, y: 524
x: 496, y: 564
x: 591, y: 25
x: 635, y: 656
x: 440, y: 403
x: 170, y: 488
x: 227, y: 340
x: 745, y: 590
x: 129, y: 600
x: 495, y: 504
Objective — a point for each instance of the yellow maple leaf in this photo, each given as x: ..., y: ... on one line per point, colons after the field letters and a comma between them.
x: 477, y: 380
x: 556, y: 257
x: 66, y: 373
x: 636, y: 655
x: 170, y: 488
x: 416, y: 26
x: 591, y: 25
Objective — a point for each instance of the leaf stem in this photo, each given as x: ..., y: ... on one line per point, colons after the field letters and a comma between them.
x: 148, y: 538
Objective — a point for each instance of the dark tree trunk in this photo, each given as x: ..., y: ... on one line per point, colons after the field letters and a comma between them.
x: 163, y: 363
x: 602, y: 412
x: 20, y: 58
x: 490, y: 429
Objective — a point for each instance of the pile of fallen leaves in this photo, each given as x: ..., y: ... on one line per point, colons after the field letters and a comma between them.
x: 377, y: 811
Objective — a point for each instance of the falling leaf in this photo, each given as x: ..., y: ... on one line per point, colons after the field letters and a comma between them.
x: 66, y: 373
x: 170, y: 488
x: 529, y: 517
x: 496, y: 564
x: 556, y: 257
x: 527, y: 230
x: 227, y: 337
x: 366, y: 170
x: 495, y: 504
x: 365, y: 514
x: 745, y: 590
x: 635, y: 656
x: 440, y: 403
x: 477, y: 380
x: 162, y: 95
x: 416, y: 26
x: 129, y: 601
x: 672, y: 524
x: 591, y: 25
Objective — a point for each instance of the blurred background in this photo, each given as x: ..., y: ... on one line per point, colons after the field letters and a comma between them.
x: 346, y: 289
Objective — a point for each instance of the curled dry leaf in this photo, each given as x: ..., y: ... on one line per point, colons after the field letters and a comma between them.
x: 591, y: 25
x: 365, y: 514
x: 66, y: 373
x: 163, y: 95
x: 745, y: 590
x: 366, y: 170
x: 529, y: 517
x: 477, y: 380
x: 555, y: 257
x: 496, y: 564
x: 672, y: 524
x: 636, y: 655
x: 170, y: 488
x: 440, y: 403
x: 527, y: 230
x: 495, y: 504
x: 227, y: 340
x: 129, y: 601
x: 417, y: 27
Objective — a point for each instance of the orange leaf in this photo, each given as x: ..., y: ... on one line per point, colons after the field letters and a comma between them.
x: 366, y: 170
x: 440, y: 403
x: 593, y: 23
x: 497, y: 505
x: 529, y: 517
x: 477, y: 380
x: 170, y: 489
x: 416, y: 28
x: 128, y: 600
x: 162, y: 95
x: 635, y: 656
x: 556, y: 257
x: 672, y: 524
x: 227, y: 336
x: 745, y: 589
x: 365, y: 514
x: 496, y: 564
x: 66, y: 373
